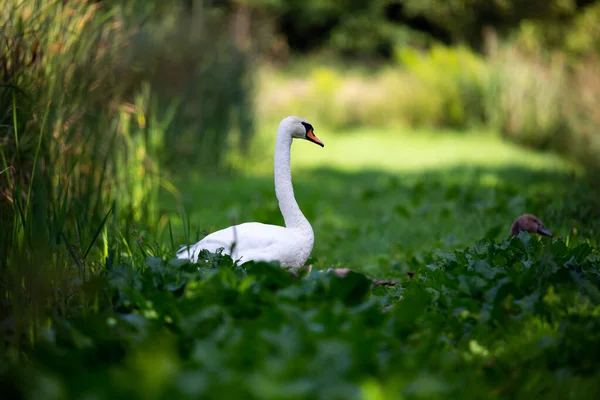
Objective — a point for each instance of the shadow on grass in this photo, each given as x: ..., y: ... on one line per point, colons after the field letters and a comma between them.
x: 375, y: 221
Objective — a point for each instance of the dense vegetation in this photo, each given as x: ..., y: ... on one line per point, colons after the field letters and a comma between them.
x: 128, y: 128
x: 501, y: 318
x: 488, y: 321
x: 89, y: 125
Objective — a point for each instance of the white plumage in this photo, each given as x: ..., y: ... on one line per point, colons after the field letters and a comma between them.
x: 253, y: 241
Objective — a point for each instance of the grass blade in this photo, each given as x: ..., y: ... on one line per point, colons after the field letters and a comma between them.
x: 36, y: 157
x: 171, y: 237
x: 15, y: 127
x: 71, y: 252
x: 97, y: 233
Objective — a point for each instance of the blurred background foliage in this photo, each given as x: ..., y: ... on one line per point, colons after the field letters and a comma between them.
x: 526, y: 71
x: 103, y: 102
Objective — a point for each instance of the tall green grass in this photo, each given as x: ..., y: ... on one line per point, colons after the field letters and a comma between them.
x: 96, y: 101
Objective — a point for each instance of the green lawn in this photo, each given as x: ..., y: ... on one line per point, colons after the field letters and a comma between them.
x: 398, y: 150
x: 377, y: 198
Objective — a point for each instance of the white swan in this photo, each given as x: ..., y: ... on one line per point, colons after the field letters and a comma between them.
x: 290, y: 245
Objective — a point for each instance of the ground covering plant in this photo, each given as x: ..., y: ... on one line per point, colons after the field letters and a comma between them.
x: 510, y: 318
x: 475, y: 312
x: 517, y: 317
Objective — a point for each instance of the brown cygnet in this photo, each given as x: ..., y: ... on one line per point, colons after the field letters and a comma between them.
x: 529, y: 223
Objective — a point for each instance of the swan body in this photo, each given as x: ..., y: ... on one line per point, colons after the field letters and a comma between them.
x: 257, y: 242
x: 254, y: 241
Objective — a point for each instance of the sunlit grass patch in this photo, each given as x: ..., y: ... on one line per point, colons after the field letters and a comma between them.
x: 401, y: 150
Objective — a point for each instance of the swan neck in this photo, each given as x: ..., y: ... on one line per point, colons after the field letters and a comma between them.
x: 292, y: 215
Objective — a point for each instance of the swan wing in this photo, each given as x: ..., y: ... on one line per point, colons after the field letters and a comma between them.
x: 249, y: 238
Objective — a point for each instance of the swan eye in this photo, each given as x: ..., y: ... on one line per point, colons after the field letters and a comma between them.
x: 307, y: 126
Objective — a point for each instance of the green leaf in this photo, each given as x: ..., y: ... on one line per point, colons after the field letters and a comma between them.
x: 351, y: 288
x: 402, y: 211
x: 494, y: 231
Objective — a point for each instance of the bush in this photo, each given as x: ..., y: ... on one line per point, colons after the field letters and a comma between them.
x: 440, y: 88
x: 205, y: 78
x: 345, y: 100
x: 582, y: 114
x: 546, y: 101
x: 535, y: 99
x: 454, y: 78
x: 524, y: 97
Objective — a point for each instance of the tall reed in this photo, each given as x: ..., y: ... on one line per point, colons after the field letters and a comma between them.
x: 88, y: 117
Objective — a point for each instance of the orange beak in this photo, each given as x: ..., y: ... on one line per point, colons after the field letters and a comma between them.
x: 310, y: 135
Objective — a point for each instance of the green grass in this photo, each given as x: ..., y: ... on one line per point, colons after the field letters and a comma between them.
x: 377, y: 198
x: 401, y: 150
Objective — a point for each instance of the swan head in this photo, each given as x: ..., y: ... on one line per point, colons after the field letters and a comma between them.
x: 299, y: 128
x: 529, y: 223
